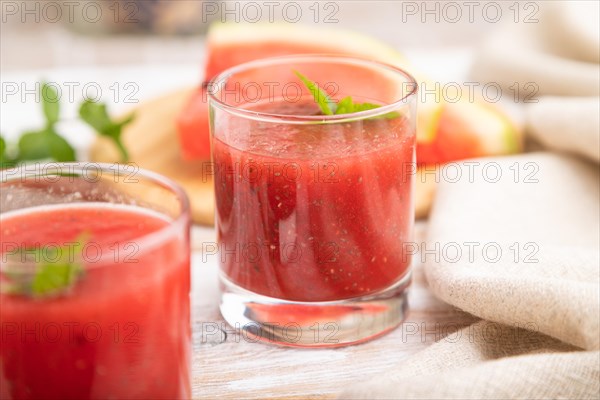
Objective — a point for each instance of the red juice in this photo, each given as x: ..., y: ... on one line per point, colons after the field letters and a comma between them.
x: 122, y: 331
x: 313, y: 212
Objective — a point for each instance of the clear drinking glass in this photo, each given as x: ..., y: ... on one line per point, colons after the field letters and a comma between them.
x: 94, y: 283
x: 313, y: 211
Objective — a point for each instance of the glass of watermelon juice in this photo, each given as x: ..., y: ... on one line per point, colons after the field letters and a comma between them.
x: 94, y: 284
x: 314, y: 211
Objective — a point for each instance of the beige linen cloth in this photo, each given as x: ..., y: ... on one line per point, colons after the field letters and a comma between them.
x: 553, y: 52
x: 541, y: 304
x: 557, y: 48
x: 536, y: 285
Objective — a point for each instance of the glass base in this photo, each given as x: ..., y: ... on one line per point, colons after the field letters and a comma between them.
x: 313, y: 324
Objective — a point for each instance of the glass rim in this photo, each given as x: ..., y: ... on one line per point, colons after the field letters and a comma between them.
x: 146, y: 241
x: 310, y: 119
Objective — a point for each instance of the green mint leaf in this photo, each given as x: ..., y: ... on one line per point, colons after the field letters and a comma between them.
x: 321, y: 98
x: 118, y: 131
x: 49, y: 278
x: 345, y: 106
x: 7, y: 159
x: 33, y: 146
x: 50, y: 103
x: 45, y: 144
x: 96, y: 115
x: 370, y: 106
x: 358, y: 107
x: 3, y: 156
x: 54, y: 278
x: 60, y: 149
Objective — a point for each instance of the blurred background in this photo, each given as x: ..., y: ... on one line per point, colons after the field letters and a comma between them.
x: 135, y: 50
x: 45, y: 34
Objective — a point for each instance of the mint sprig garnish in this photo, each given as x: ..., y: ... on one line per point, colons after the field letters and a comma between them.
x: 56, y: 269
x: 53, y: 278
x: 50, y: 104
x: 3, y: 155
x: 344, y: 106
x: 95, y: 115
x: 321, y: 98
x: 347, y: 106
x: 47, y: 144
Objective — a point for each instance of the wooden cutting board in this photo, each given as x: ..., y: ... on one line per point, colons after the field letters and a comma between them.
x: 153, y: 144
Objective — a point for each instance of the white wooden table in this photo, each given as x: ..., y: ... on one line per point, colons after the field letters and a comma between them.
x: 233, y: 368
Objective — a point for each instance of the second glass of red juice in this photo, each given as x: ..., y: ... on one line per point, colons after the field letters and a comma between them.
x: 314, y: 209
x: 94, y: 284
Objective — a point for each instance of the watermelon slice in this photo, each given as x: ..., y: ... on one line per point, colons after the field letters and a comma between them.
x: 468, y: 130
x: 230, y: 44
x: 192, y: 126
x: 445, y: 132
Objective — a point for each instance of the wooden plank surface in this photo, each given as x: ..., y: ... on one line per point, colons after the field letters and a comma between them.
x: 231, y: 367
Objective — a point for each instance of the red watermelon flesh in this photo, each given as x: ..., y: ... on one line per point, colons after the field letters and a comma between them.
x: 469, y: 130
x: 445, y: 132
x: 229, y: 45
x: 192, y: 126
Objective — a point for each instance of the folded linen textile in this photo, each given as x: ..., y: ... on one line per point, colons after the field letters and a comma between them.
x: 555, y: 52
x: 521, y: 251
x: 570, y: 124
